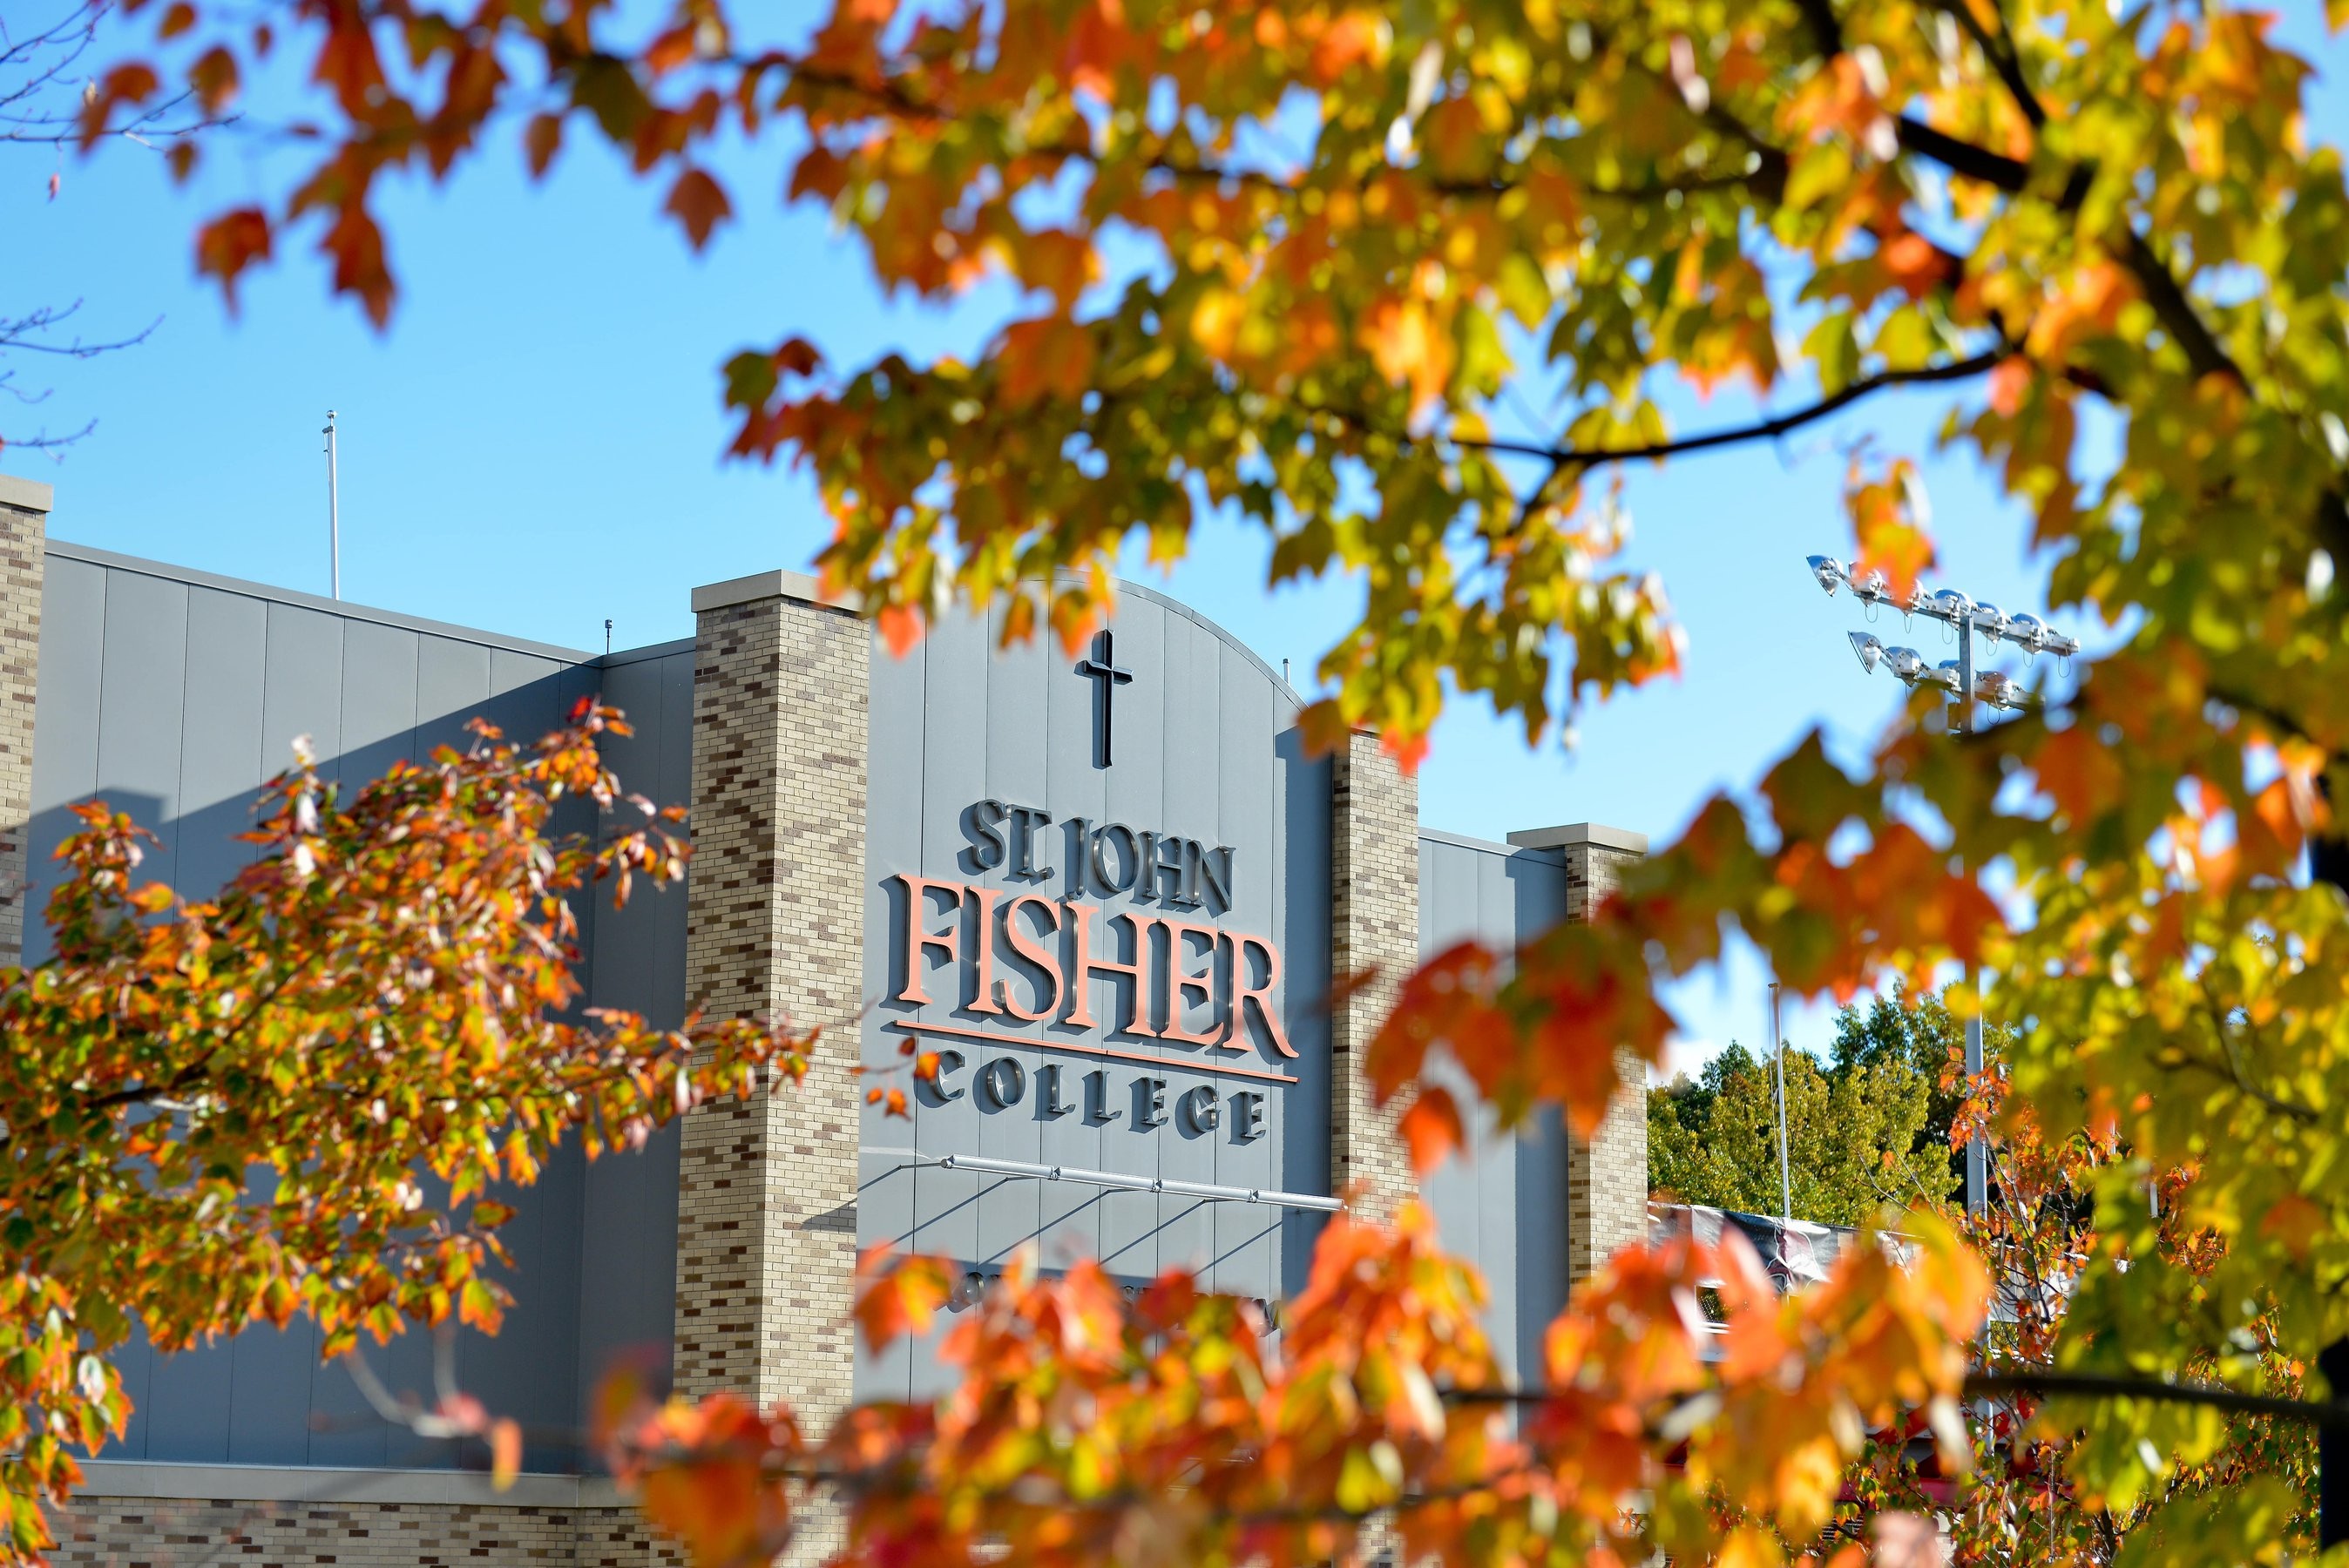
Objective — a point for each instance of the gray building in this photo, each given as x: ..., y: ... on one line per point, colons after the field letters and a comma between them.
x: 1110, y: 892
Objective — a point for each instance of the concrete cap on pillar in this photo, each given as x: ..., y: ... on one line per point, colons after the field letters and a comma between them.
x: 766, y: 585
x: 1570, y: 834
x: 27, y: 495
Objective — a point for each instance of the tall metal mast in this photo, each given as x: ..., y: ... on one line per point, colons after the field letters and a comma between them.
x: 334, y: 516
x: 1957, y: 677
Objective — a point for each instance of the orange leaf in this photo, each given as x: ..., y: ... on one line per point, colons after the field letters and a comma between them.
x: 505, y: 1452
x: 1887, y: 519
x: 901, y: 1300
x: 1432, y: 1127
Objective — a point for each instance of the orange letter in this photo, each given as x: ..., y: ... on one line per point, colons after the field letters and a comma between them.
x: 1243, y: 993
x: 1082, y: 965
x: 1184, y: 987
x: 983, y: 952
x: 918, y: 942
x: 1026, y: 949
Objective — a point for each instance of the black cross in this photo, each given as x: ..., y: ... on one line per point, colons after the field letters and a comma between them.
x: 1103, y: 666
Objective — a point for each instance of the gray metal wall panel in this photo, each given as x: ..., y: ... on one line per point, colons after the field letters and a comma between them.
x: 135, y: 1361
x: 1501, y: 1202
x: 1011, y: 1214
x: 954, y: 774
x: 884, y: 1175
x: 220, y: 743
x: 139, y: 714
x: 1191, y: 767
x: 452, y: 682
x: 64, y: 723
x: 1304, y: 788
x: 624, y: 1267
x: 1074, y: 787
x: 188, y: 1406
x: 303, y: 691
x: 1246, y: 1239
x: 1539, y: 895
x: 1136, y: 794
x: 378, y: 700
x: 271, y: 1374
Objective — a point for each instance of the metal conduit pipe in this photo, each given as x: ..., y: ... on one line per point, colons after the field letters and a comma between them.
x: 1165, y: 1185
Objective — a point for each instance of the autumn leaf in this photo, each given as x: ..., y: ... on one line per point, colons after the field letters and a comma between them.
x: 1432, y: 1128
x: 699, y: 203
x: 899, y: 1297
x: 505, y: 1452
x: 1887, y: 518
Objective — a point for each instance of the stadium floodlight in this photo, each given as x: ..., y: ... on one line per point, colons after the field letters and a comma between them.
x: 2001, y: 690
x: 1956, y: 676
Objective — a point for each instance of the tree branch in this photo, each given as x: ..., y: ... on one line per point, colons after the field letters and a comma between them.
x: 2204, y: 355
x: 2003, y: 54
x: 2106, y: 1385
x: 1960, y: 156
x: 2049, y: 1384
x: 1584, y: 458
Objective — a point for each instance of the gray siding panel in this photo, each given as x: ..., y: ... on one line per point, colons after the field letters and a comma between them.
x: 1136, y: 794
x: 64, y: 723
x: 220, y: 746
x: 378, y: 700
x: 303, y: 690
x: 269, y: 1394
x: 1011, y: 1214
x: 1502, y: 1202
x: 452, y: 682
x: 954, y: 774
x: 886, y: 1177
x: 144, y: 686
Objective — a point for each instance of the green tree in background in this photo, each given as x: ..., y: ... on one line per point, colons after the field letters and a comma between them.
x: 1868, y: 1127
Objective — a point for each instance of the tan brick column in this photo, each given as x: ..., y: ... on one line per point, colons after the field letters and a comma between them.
x: 1606, y: 1180
x: 24, y: 522
x: 767, y: 1190
x: 1373, y: 924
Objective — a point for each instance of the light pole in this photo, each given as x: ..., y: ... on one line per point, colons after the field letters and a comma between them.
x: 1957, y: 676
x: 1786, y: 1169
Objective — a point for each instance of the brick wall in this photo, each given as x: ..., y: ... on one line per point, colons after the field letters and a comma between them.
x: 24, y: 518
x: 767, y: 1189
x: 1373, y: 924
x: 164, y: 1532
x: 1607, y: 1182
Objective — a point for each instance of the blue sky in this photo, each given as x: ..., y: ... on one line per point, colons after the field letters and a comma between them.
x: 535, y: 446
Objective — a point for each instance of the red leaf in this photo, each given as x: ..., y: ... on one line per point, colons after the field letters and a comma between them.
x: 230, y: 243
x: 541, y: 141
x: 699, y: 203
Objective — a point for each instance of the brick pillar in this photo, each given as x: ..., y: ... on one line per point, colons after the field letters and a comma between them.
x: 1607, y: 1182
x: 1373, y: 924
x: 767, y: 1189
x: 24, y: 519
